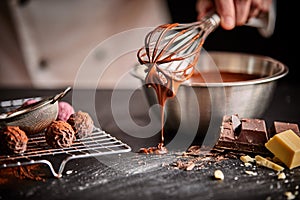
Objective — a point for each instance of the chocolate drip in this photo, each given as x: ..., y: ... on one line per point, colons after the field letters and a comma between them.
x: 165, y: 70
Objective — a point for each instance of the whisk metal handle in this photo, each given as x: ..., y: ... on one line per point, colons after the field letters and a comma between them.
x: 215, y: 19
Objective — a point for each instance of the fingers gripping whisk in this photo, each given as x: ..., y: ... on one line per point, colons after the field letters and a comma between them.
x: 173, y: 49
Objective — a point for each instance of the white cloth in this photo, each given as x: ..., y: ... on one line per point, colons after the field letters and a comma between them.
x: 89, y: 43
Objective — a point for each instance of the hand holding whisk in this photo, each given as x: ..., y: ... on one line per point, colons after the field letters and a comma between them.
x: 172, y: 50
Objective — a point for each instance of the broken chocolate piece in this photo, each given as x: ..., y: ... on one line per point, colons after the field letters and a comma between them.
x: 268, y: 163
x: 251, y: 139
x: 253, y: 131
x: 279, y: 127
x: 227, y: 133
x: 160, y: 149
x: 286, y: 147
x: 236, y: 123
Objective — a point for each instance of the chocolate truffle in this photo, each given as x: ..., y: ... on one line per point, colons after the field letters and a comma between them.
x: 60, y: 134
x: 82, y: 124
x: 65, y: 110
x: 13, y: 140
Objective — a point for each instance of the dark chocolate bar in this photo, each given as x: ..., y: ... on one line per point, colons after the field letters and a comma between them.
x: 253, y: 131
x: 279, y: 127
x: 250, y: 137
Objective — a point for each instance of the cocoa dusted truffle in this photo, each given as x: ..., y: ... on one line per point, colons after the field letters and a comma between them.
x: 82, y: 124
x: 13, y: 140
x: 60, y: 134
x: 65, y: 110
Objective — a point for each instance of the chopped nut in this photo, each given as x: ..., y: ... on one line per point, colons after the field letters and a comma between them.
x: 289, y: 195
x: 267, y: 163
x: 269, y: 198
x: 69, y: 172
x: 251, y: 173
x: 248, y: 165
x: 247, y: 159
x: 281, y: 175
x: 219, y: 175
x: 190, y: 167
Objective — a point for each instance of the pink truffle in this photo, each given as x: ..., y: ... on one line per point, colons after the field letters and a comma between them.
x: 65, y: 110
x: 28, y: 102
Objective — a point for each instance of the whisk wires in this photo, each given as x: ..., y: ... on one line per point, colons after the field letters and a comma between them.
x: 175, y: 48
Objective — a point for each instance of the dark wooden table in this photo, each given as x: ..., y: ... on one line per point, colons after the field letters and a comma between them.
x: 137, y: 176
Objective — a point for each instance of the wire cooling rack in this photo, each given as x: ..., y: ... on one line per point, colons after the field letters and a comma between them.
x: 39, y: 152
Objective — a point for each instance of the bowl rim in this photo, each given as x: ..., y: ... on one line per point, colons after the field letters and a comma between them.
x: 138, y: 71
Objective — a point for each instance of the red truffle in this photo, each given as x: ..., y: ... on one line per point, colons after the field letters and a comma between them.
x: 65, y: 110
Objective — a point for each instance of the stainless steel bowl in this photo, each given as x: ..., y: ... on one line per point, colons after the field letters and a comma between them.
x: 197, y: 109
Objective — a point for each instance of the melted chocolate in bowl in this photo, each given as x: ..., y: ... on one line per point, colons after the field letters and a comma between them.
x: 223, y: 76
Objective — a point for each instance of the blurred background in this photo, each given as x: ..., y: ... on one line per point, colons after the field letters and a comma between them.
x: 44, y: 44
